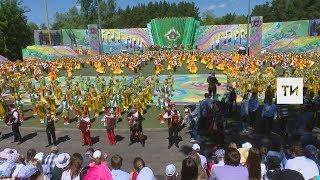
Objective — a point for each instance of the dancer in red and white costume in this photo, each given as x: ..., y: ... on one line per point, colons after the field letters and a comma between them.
x: 84, y: 126
x: 109, y: 121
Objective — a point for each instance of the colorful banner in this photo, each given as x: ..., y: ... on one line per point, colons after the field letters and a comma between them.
x: 277, y: 31
x: 94, y: 37
x: 48, y: 52
x: 129, y: 40
x: 221, y: 37
x: 255, y: 42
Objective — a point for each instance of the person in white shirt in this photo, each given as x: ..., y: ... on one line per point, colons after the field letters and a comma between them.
x: 300, y: 163
x: 117, y: 173
x: 75, y: 166
x: 196, y: 148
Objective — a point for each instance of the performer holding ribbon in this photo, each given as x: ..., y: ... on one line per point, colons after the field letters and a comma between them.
x: 109, y: 122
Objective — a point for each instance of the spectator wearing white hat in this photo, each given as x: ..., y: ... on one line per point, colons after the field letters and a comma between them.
x: 146, y: 174
x: 244, y: 152
x: 171, y: 172
x: 196, y: 148
x: 43, y: 168
x: 117, y: 173
x: 61, y: 162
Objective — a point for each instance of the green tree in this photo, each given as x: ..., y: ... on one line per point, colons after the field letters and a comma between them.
x: 208, y: 18
x: 14, y: 29
x: 69, y: 20
x: 33, y: 26
x: 264, y: 10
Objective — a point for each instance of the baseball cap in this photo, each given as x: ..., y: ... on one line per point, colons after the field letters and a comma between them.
x: 170, y: 170
x: 196, y: 147
x: 97, y: 154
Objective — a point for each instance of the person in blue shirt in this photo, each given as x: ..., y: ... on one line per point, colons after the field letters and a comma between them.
x: 253, y: 108
x: 268, y: 114
x: 204, y: 112
x: 244, y: 111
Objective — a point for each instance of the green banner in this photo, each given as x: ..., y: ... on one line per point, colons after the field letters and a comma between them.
x: 173, y: 32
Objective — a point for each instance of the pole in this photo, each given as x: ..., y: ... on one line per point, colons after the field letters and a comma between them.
x: 99, y: 27
x: 48, y: 24
x: 248, y: 27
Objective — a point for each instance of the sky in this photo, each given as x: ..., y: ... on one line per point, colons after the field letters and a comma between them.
x: 36, y: 8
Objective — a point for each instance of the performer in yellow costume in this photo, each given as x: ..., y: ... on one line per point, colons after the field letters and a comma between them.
x: 2, y: 108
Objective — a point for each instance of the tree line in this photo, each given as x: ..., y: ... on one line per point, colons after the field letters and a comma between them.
x: 16, y: 33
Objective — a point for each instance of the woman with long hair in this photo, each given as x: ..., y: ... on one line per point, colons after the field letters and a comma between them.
x: 73, y: 172
x: 255, y: 168
x: 189, y: 170
x: 202, y: 174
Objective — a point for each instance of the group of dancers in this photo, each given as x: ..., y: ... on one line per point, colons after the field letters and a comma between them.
x: 85, y: 97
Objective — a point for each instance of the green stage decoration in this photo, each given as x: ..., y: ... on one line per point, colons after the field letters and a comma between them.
x: 173, y: 32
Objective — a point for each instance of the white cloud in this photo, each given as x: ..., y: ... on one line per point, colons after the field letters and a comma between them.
x: 222, y: 5
x: 211, y: 7
x: 214, y: 6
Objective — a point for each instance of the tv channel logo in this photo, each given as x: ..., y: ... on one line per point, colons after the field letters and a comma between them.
x: 289, y: 90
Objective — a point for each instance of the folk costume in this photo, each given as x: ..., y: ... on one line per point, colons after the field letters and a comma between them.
x: 84, y: 126
x: 109, y: 122
x: 51, y: 130
x: 135, y: 122
x: 13, y: 120
x: 173, y: 118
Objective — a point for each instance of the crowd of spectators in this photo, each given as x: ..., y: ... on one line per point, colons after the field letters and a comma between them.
x: 241, y: 163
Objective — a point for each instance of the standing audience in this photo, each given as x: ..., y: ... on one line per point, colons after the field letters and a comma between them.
x: 189, y: 170
x: 74, y: 168
x: 117, y: 173
x: 255, y: 167
x: 61, y: 162
x: 49, y: 160
x: 300, y: 163
x: 232, y: 168
x: 171, y: 172
x: 98, y: 169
